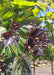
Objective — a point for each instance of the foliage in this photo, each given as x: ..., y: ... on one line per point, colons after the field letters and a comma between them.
x: 49, y: 52
x: 19, y: 10
x: 2, y: 30
x: 16, y: 67
x: 25, y: 13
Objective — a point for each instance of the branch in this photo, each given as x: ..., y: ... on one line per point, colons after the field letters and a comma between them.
x: 52, y: 33
x: 14, y: 52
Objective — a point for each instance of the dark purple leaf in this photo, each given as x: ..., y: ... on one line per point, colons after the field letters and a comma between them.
x: 14, y: 25
x: 7, y: 34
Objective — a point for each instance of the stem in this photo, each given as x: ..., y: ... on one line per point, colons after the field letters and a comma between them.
x: 51, y: 59
x: 14, y: 52
x: 34, y: 64
x: 52, y: 66
x: 52, y: 33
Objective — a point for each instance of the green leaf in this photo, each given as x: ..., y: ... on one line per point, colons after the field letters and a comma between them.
x: 42, y: 18
x: 49, y: 14
x: 52, y: 5
x: 8, y: 52
x: 22, y: 40
x: 24, y: 32
x: 2, y: 30
x: 49, y: 52
x: 48, y: 1
x: 7, y: 15
x: 35, y: 11
x: 18, y: 0
x: 20, y: 47
x: 53, y: 16
x: 1, y: 45
x: 44, y: 26
x: 17, y: 67
x: 1, y: 23
x: 48, y: 24
x: 24, y: 3
x: 32, y: 0
x: 40, y: 7
x: 42, y: 4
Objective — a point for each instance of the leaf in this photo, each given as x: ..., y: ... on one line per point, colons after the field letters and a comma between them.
x: 44, y: 26
x: 42, y: 18
x: 18, y: 0
x: 8, y: 51
x: 48, y: 24
x: 53, y: 16
x: 25, y: 3
x: 52, y: 5
x: 7, y: 34
x: 49, y: 52
x: 28, y: 27
x: 40, y: 7
x: 17, y: 67
x: 42, y: 4
x: 48, y: 13
x: 7, y: 15
x: 2, y: 30
x: 21, y: 44
x: 20, y: 47
x: 32, y: 0
x: 1, y: 23
x: 1, y: 46
x: 48, y: 1
x: 17, y: 48
x: 35, y: 11
x: 23, y: 32
x: 22, y: 40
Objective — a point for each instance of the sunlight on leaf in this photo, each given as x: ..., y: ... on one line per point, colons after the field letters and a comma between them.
x: 24, y: 3
x: 52, y: 5
x: 7, y: 15
x: 35, y: 11
x: 42, y: 4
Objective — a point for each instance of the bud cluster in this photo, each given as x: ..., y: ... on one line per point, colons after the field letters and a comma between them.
x: 2, y: 62
x: 12, y: 36
x: 14, y: 25
x: 36, y: 42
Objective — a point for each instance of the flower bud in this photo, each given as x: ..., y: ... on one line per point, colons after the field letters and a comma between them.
x: 29, y: 47
x: 14, y: 37
x: 0, y: 70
